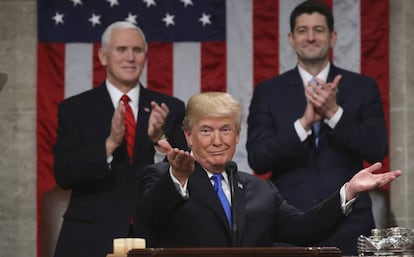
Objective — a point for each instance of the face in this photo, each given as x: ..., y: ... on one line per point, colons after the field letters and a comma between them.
x: 311, y: 39
x: 213, y: 142
x: 124, y: 58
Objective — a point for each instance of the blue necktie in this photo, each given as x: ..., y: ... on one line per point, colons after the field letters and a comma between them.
x: 222, y: 196
x: 317, y: 125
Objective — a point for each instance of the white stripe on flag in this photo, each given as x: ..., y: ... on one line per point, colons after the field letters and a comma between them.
x: 240, y: 65
x: 347, y: 51
x: 287, y: 56
x: 78, y: 68
x: 186, y: 70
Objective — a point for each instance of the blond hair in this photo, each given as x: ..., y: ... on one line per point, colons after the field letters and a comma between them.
x: 211, y: 104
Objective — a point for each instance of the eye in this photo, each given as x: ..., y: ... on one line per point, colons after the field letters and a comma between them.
x: 121, y: 49
x: 301, y: 30
x: 320, y: 30
x: 205, y: 131
x: 225, y: 130
x: 139, y: 50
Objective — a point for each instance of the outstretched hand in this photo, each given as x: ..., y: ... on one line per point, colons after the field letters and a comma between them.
x: 182, y: 162
x: 366, y: 180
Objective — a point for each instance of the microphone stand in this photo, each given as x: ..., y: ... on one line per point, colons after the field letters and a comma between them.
x: 231, y: 170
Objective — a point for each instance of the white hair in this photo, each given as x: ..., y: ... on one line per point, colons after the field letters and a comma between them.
x: 106, y: 36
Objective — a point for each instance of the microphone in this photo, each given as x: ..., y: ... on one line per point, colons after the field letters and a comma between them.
x: 231, y: 169
x: 3, y: 80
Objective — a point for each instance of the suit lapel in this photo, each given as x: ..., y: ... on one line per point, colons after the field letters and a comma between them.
x: 104, y: 110
x: 144, y: 111
x: 203, y: 191
x: 240, y: 205
x: 296, y: 92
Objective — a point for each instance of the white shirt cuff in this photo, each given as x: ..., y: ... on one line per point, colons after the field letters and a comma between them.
x: 182, y: 190
x: 346, y: 205
x: 334, y: 119
x: 302, y: 133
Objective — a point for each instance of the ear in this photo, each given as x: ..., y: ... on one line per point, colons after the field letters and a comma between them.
x: 187, y: 134
x: 291, y: 41
x: 333, y: 38
x: 102, y: 57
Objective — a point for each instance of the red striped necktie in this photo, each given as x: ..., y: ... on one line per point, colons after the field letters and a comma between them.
x: 129, y: 127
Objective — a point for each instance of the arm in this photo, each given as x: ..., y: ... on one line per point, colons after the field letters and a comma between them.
x: 80, y: 153
x: 322, y: 220
x: 361, y: 128
x: 272, y: 140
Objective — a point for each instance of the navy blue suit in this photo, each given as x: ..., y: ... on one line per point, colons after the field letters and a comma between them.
x: 263, y: 216
x: 103, y: 198
x: 306, y: 174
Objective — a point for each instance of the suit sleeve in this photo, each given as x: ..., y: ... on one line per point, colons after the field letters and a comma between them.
x: 272, y: 138
x: 363, y: 130
x: 78, y: 158
x: 311, y: 227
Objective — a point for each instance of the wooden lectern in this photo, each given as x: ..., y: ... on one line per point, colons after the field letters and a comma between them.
x: 237, y: 252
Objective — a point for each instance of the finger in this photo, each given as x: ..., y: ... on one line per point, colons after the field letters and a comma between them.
x: 374, y: 167
x: 336, y: 80
x: 165, y: 108
x: 164, y: 144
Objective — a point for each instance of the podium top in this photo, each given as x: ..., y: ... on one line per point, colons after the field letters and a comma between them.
x: 238, y: 252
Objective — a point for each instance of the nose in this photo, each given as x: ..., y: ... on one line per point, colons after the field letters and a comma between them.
x: 217, y: 138
x: 310, y: 35
x: 130, y: 55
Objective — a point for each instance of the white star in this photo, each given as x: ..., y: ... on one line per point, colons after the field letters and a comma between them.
x: 168, y: 19
x: 58, y: 18
x: 131, y: 18
x: 95, y: 19
x: 205, y: 19
x: 149, y: 2
x: 113, y: 2
x: 187, y: 2
x: 76, y: 2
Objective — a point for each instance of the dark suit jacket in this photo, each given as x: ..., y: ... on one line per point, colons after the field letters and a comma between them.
x: 262, y: 214
x: 102, y: 198
x: 304, y: 174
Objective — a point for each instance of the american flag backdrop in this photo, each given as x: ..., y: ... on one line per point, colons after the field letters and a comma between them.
x: 193, y: 46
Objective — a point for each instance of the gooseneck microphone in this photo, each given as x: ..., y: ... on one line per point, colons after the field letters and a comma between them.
x: 231, y: 169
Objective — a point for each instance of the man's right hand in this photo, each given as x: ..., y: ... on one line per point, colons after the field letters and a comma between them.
x: 182, y: 162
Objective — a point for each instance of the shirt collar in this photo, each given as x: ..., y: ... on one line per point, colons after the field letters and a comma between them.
x: 306, y: 76
x: 116, y: 94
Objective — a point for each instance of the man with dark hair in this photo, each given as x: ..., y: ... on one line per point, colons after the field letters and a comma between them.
x: 314, y: 125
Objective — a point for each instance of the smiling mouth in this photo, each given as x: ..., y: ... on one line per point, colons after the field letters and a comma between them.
x: 221, y: 152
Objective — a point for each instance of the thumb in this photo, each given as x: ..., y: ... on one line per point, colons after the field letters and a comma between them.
x: 374, y: 167
x: 165, y: 145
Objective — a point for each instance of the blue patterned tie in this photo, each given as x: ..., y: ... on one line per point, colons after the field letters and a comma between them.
x: 222, y: 196
x: 317, y: 125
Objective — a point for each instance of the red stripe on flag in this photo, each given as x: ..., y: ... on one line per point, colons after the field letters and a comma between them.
x: 213, y: 66
x: 160, y: 67
x: 265, y: 40
x: 265, y: 45
x: 374, y: 50
x: 50, y: 71
x: 99, y: 71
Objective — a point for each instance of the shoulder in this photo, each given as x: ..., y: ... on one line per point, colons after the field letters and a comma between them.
x: 279, y: 80
x: 153, y: 95
x: 85, y: 98
x: 254, y: 182
x: 348, y: 75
